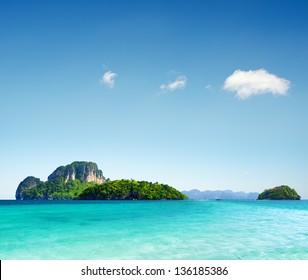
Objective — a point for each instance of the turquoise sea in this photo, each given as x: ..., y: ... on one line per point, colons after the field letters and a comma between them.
x: 215, y: 230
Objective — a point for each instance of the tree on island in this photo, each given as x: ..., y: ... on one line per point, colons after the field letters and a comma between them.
x: 131, y: 190
x: 83, y: 180
x: 279, y: 193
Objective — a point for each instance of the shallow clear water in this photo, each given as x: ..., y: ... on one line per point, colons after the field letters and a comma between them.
x: 154, y: 230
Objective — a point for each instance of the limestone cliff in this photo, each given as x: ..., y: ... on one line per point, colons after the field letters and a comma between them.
x: 81, y: 170
x: 66, y: 182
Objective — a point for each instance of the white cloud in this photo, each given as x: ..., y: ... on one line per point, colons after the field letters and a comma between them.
x: 255, y: 82
x: 179, y: 83
x: 108, y: 79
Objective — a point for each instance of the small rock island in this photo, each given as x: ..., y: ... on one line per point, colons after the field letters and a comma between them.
x: 84, y: 181
x: 279, y: 193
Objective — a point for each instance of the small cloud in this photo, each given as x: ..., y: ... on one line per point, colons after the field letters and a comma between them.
x: 179, y: 83
x: 255, y: 82
x: 108, y: 79
x: 208, y: 87
x: 105, y: 67
x: 174, y: 72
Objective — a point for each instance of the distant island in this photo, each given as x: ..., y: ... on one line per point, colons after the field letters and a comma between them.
x: 227, y: 194
x: 84, y: 181
x: 279, y: 193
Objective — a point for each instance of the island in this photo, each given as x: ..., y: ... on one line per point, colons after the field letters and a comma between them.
x: 131, y: 190
x: 279, y: 193
x: 83, y: 180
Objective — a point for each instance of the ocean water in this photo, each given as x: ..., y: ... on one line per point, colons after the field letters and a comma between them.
x: 215, y: 230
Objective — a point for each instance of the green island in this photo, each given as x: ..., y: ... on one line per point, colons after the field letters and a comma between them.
x: 131, y: 190
x: 279, y: 193
x: 82, y: 180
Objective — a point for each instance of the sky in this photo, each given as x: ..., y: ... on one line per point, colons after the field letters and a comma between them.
x: 210, y: 95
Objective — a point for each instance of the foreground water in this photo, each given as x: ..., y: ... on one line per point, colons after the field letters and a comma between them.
x: 154, y: 230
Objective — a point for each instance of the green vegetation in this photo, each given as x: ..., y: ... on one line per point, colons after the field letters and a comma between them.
x: 279, y: 193
x: 131, y: 190
x: 29, y: 183
x: 83, y: 180
x: 119, y: 189
x: 56, y: 189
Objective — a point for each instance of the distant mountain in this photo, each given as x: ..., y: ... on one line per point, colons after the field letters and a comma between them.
x: 227, y: 194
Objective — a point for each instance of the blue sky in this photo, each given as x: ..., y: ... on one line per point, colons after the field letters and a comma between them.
x: 195, y: 94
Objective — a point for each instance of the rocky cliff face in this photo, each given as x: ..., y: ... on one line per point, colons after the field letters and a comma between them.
x: 29, y: 183
x: 81, y: 170
x: 59, y: 183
